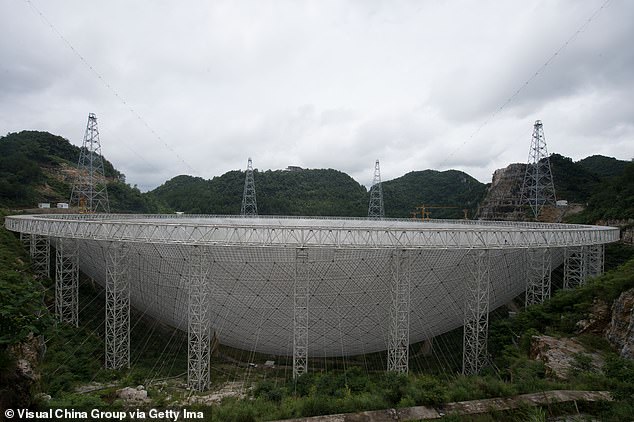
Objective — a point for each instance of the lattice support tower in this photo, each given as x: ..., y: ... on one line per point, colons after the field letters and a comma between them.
x: 538, y: 188
x: 89, y: 192
x: 117, y: 307
x: 40, y: 248
x: 67, y: 281
x: 476, y: 316
x: 398, y: 335
x: 199, y: 321
x: 301, y: 293
x: 249, y: 203
x: 375, y: 208
x: 25, y: 239
x: 595, y: 260
x: 575, y: 267
x: 538, y: 276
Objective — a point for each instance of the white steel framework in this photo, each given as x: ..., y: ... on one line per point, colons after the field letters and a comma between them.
x: 251, y: 268
x: 249, y: 203
x: 538, y: 188
x: 117, y: 307
x: 25, y: 239
x: 476, y: 316
x: 301, y: 294
x: 67, y: 281
x: 199, y: 321
x: 89, y: 192
x: 40, y: 247
x: 313, y: 232
x: 538, y: 276
x: 375, y: 208
x: 595, y: 261
x: 398, y: 334
x: 575, y: 267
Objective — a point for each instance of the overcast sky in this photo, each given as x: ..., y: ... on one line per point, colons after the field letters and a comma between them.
x: 197, y: 87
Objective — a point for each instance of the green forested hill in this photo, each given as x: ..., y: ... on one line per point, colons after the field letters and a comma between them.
x: 40, y: 167
x: 603, y: 166
x: 613, y: 199
x: 308, y: 192
x: 573, y: 182
x: 432, y: 188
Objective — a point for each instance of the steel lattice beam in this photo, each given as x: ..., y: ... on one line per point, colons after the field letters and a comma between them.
x: 476, y: 317
x: 117, y: 307
x: 40, y: 247
x: 67, y: 281
x: 300, y: 313
x: 595, y: 254
x: 306, y: 232
x: 199, y: 321
x: 575, y: 267
x: 25, y: 239
x: 538, y: 276
x: 398, y: 335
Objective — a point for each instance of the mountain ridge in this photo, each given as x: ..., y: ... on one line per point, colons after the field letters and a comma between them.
x: 39, y: 167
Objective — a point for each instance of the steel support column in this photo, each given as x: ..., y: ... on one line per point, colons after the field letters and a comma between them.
x: 67, y: 281
x: 40, y: 248
x: 300, y: 313
x: 575, y: 267
x: 199, y: 321
x: 117, y: 307
x: 595, y: 260
x: 398, y: 335
x: 538, y: 276
x: 476, y: 317
x: 25, y: 239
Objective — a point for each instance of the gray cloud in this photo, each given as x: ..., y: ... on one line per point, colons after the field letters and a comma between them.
x: 320, y: 84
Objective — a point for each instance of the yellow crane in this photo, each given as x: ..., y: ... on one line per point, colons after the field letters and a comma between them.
x: 423, y: 212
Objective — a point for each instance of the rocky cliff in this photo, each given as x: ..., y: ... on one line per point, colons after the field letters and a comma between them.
x: 620, y: 331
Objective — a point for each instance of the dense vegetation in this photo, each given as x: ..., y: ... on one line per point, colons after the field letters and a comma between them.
x: 449, y: 188
x: 573, y: 181
x: 22, y: 315
x: 604, y: 167
x: 612, y: 200
x: 307, y: 192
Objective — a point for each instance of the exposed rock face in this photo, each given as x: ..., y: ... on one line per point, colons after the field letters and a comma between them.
x: 229, y: 389
x: 560, y: 355
x: 133, y: 395
x: 504, y: 193
x: 621, y: 329
x: 17, y: 383
x: 598, y: 319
